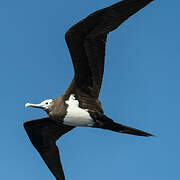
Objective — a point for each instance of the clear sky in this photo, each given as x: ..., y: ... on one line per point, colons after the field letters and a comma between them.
x: 141, y: 88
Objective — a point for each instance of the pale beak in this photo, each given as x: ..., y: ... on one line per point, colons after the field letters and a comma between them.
x: 33, y: 105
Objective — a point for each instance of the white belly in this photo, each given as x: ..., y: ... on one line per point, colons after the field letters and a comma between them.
x: 76, y: 116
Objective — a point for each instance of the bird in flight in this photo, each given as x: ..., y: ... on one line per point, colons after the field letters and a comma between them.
x: 79, y: 105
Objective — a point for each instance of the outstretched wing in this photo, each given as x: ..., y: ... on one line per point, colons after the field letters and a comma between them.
x: 86, y: 42
x: 43, y: 134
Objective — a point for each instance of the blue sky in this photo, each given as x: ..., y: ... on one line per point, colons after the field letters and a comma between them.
x: 140, y: 89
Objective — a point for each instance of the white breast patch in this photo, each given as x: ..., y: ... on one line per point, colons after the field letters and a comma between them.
x: 76, y: 116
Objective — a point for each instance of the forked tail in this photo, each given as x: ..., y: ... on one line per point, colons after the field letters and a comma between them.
x: 109, y: 124
x: 128, y: 130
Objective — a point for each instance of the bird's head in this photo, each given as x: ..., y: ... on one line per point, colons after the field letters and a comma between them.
x: 45, y: 105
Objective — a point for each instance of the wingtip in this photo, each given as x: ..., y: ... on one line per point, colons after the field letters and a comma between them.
x: 154, y: 136
x: 150, y: 135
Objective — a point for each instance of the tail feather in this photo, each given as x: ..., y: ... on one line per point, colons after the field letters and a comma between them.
x: 128, y: 130
x: 109, y: 124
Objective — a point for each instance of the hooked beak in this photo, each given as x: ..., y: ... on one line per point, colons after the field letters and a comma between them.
x: 33, y: 105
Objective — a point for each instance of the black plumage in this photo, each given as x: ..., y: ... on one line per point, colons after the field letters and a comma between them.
x: 43, y: 134
x: 86, y: 41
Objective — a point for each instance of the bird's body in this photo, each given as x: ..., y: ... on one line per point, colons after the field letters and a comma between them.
x: 79, y: 105
x: 75, y: 115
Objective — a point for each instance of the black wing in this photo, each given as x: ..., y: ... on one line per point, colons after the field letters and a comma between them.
x: 86, y: 42
x: 43, y: 134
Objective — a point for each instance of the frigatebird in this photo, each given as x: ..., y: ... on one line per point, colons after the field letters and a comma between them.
x: 79, y: 104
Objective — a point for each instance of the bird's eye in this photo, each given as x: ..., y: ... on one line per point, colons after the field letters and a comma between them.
x: 47, y: 103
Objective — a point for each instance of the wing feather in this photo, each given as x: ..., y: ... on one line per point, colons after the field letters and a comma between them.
x: 43, y: 133
x: 86, y: 41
